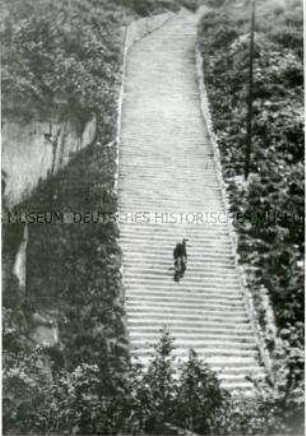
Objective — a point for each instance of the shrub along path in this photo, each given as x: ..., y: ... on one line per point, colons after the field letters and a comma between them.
x: 166, y: 166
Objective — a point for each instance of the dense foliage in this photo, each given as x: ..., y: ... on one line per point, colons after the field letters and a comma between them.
x: 268, y: 209
x: 61, y: 56
x: 149, y: 7
x: 156, y: 399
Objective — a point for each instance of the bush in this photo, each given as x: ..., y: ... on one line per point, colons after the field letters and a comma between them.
x: 200, y: 399
x: 157, y: 390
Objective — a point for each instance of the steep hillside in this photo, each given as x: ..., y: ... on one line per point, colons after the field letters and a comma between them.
x: 268, y: 209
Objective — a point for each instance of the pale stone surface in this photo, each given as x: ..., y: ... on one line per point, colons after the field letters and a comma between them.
x: 167, y: 167
x: 27, y: 155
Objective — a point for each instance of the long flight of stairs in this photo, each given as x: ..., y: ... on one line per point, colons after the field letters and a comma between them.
x: 167, y: 174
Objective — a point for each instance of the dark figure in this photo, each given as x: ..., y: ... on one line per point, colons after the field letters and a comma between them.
x: 180, y: 260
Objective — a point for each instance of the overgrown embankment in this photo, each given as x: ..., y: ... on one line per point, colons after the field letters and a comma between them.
x: 60, y: 69
x: 269, y: 207
x: 64, y: 58
x: 72, y: 52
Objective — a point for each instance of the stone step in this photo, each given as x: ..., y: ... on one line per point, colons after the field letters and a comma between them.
x: 200, y: 268
x: 138, y: 192
x: 137, y: 183
x: 182, y: 293
x: 169, y: 240
x: 186, y: 284
x: 231, y: 378
x: 171, y: 201
x: 194, y: 268
x: 203, y: 268
x: 183, y: 296
x: 210, y: 330
x: 152, y: 338
x: 143, y: 156
x: 214, y: 361
x: 160, y: 248
x: 197, y: 251
x: 197, y: 259
x: 220, y: 263
x: 193, y: 212
x: 201, y: 254
x: 165, y: 231
x: 195, y: 138
x: 144, y: 310
x: 201, y: 351
x: 203, y: 186
x: 209, y: 249
x: 185, y: 289
x: 240, y: 370
x: 197, y: 176
x: 211, y: 209
x: 172, y: 178
x: 213, y: 310
x: 190, y: 304
x: 201, y: 316
x: 242, y: 386
x: 177, y: 287
x: 225, y: 261
x: 162, y: 233
x: 202, y: 337
x: 210, y: 344
x: 231, y: 324
x: 159, y: 157
x: 195, y: 244
x: 196, y: 274
x: 160, y: 226
x: 218, y: 341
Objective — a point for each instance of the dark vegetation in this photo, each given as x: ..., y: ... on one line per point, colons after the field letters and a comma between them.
x: 61, y: 56
x: 93, y: 400
x: 152, y: 7
x: 269, y: 207
x: 67, y: 52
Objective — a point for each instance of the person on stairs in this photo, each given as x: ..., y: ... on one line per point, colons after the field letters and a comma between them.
x: 180, y: 260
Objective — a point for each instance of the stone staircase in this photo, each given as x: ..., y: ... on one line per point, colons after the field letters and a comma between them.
x: 167, y: 174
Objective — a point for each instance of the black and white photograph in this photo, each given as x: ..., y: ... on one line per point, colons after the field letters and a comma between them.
x: 152, y: 221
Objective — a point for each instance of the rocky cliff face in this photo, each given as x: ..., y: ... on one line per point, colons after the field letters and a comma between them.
x: 31, y: 151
